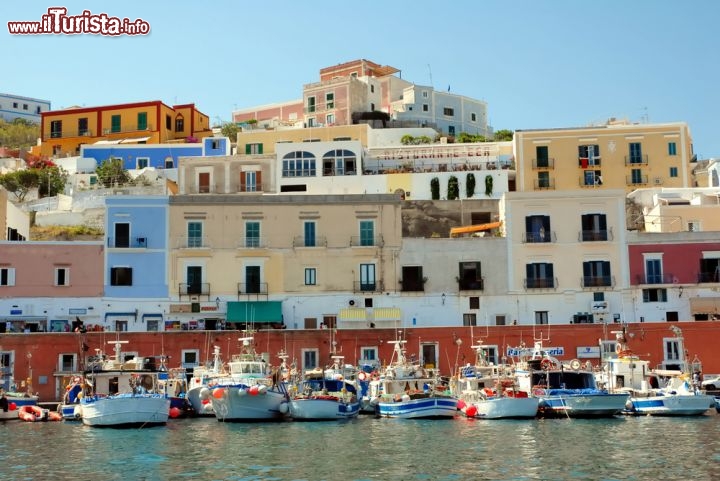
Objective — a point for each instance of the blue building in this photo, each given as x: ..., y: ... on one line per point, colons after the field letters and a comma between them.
x: 137, y: 155
x: 136, y: 275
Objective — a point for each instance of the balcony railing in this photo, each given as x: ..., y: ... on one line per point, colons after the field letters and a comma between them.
x: 66, y: 134
x: 631, y: 160
x: 541, y: 283
x: 539, y: 237
x: 252, y: 288
x: 597, y: 281
x: 656, y: 279
x: 127, y: 243
x: 595, y: 235
x: 194, y: 289
x: 544, y: 184
x: 412, y: 285
x: 125, y: 130
x: 636, y: 179
x: 709, y: 277
x: 251, y: 188
x: 587, y: 163
x: 585, y: 182
x: 316, y: 241
x: 193, y: 243
x: 363, y: 241
x: 368, y: 286
x: 540, y: 164
x: 252, y: 243
x: 471, y: 284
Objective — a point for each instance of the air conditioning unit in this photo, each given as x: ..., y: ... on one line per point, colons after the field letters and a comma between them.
x: 597, y: 307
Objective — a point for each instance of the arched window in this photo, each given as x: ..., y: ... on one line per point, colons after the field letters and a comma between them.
x: 179, y: 123
x: 340, y: 162
x: 298, y: 164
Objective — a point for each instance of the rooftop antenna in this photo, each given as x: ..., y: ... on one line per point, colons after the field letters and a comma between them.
x: 430, y: 74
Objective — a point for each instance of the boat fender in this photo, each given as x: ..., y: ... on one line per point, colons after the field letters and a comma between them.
x: 241, y: 392
x: 284, y: 408
x: 262, y: 389
x: 204, y: 393
x: 362, y: 376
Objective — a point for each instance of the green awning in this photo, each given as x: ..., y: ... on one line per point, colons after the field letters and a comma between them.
x: 254, y: 311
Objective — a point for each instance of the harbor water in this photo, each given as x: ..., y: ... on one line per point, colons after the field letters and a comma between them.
x: 622, y: 448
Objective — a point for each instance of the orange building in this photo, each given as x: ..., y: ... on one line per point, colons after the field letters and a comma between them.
x: 64, y: 131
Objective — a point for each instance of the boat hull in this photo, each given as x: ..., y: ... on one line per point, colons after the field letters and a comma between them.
x: 671, y: 405
x: 428, y: 407
x: 236, y: 404
x: 502, y: 408
x: 15, y: 403
x: 322, y: 409
x: 582, y: 405
x: 125, y: 410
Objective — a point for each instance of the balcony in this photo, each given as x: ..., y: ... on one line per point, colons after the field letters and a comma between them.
x: 632, y: 160
x: 194, y: 289
x: 543, y: 164
x: 655, y: 279
x: 251, y: 188
x: 586, y: 182
x: 541, y: 237
x: 252, y: 243
x: 587, y: 162
x: 597, y: 281
x: 636, y: 180
x: 544, y: 184
x: 368, y: 286
x: 250, y: 289
x: 595, y: 235
x: 127, y: 243
x: 126, y: 130
x: 709, y: 277
x: 471, y: 284
x: 316, y: 241
x: 192, y: 242
x: 68, y: 134
x: 541, y: 283
x: 366, y: 241
x: 412, y: 285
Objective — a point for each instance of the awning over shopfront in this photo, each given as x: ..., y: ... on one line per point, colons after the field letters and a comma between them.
x: 132, y: 314
x: 456, y: 231
x: 705, y: 305
x: 352, y: 314
x: 255, y: 311
x: 387, y: 314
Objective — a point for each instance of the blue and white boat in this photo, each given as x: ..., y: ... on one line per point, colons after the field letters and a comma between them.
x: 199, y: 393
x: 407, y: 390
x: 251, y: 391
x: 566, y: 390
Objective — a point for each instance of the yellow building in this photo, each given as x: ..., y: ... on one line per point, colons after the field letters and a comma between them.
x: 64, y: 131
x: 618, y: 155
x: 262, y: 141
x: 677, y: 210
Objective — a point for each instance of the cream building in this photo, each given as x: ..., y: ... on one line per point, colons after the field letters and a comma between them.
x: 678, y: 210
x: 618, y: 155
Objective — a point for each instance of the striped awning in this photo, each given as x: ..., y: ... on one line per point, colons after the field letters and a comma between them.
x: 705, y: 305
x: 387, y: 314
x: 352, y: 314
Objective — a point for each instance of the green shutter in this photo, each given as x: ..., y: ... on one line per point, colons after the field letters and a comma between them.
x: 247, y: 148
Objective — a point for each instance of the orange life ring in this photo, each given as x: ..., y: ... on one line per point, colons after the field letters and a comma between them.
x: 546, y: 364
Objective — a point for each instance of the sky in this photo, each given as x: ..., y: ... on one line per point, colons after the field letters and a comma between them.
x: 538, y: 64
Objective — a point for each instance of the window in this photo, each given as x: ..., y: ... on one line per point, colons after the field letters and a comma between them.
x: 179, y: 123
x: 330, y: 119
x: 372, y: 107
x: 426, y: 108
x: 594, y: 227
x: 541, y: 317
x: 311, y: 104
x: 596, y: 274
x: 122, y: 235
x: 653, y: 271
x: 425, y: 94
x: 15, y: 105
x: 470, y: 319
x: 451, y: 130
x: 250, y: 183
x: 543, y: 181
x: 541, y: 154
x: 168, y: 122
x: 298, y: 164
x: 635, y: 153
x: 203, y: 182
x: 673, y: 171
x: 215, y: 144
x: 537, y: 228
x: 309, y: 234
x: 310, y: 276
x: 412, y: 278
x: 672, y: 148
x: 473, y: 117
x: 655, y: 295
x: 500, y: 320
x: 7, y: 276
x: 672, y: 350
x: 121, y: 276
x: 252, y: 234
x: 193, y: 279
x: 309, y: 359
x: 253, y: 149
x: 539, y: 276
x: 190, y: 358
x: 592, y: 177
x: 588, y: 155
x: 252, y: 280
x: 448, y: 111
x: 474, y: 302
x: 469, y: 276
x: 142, y: 162
x: 56, y: 129
x: 62, y: 276
x: 368, y: 354
x: 194, y: 230
x: 169, y: 164
x: 339, y: 162
x: 115, y: 123
x: 636, y: 176
x: 693, y: 226
x: 68, y: 362
x: 367, y: 233
x: 367, y: 277
x: 25, y: 106
x: 372, y: 89
x: 142, y: 121
x: 330, y: 100
x: 709, y: 269
x: 83, y: 127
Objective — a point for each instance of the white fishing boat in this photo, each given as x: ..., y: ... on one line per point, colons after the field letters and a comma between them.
x: 123, y: 393
x: 566, y: 390
x: 407, y: 390
x: 488, y: 391
x: 251, y: 391
x: 331, y: 396
x: 657, y: 392
x: 199, y: 393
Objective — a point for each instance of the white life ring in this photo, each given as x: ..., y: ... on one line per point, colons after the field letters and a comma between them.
x: 575, y: 364
x: 362, y: 376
